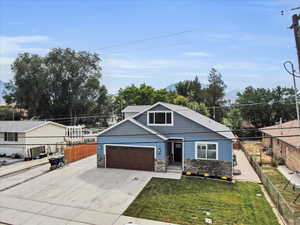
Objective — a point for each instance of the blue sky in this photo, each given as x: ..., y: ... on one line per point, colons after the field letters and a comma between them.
x: 247, y: 41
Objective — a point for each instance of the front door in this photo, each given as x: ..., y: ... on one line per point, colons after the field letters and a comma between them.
x: 177, y: 152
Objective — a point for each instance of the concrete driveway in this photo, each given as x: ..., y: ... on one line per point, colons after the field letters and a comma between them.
x: 248, y: 173
x: 79, y: 193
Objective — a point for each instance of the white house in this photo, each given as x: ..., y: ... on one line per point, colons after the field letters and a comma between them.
x: 30, y: 137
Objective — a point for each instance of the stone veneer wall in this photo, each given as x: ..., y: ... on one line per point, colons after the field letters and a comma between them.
x: 160, y: 165
x: 100, y: 160
x: 212, y: 167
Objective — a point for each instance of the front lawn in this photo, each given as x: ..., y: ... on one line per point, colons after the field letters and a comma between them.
x: 191, y: 200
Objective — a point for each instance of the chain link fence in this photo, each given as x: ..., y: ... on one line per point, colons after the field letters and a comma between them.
x: 290, y: 216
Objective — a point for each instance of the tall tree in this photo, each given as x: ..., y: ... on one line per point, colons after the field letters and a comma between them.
x: 199, y: 107
x: 64, y: 82
x: 234, y: 120
x: 214, y: 94
x: 142, y: 95
x: 263, y: 107
x: 190, y: 89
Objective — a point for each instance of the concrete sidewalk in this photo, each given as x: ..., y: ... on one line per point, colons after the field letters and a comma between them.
x: 294, y: 178
x: 248, y: 173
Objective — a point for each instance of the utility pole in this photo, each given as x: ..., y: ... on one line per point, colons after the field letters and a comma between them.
x: 296, y: 28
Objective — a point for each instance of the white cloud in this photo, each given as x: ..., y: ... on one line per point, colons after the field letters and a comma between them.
x: 140, y: 64
x: 11, y: 46
x: 14, y: 44
x: 197, y: 65
x: 6, y: 60
x: 197, y: 54
x: 126, y: 76
x: 23, y: 39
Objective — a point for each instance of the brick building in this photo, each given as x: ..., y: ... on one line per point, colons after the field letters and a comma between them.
x: 284, y: 140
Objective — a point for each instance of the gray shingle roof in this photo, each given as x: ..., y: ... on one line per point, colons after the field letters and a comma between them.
x: 135, y: 108
x: 202, y: 120
x: 21, y: 125
x: 198, y: 118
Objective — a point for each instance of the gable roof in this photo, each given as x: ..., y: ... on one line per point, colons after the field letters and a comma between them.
x: 202, y: 120
x: 290, y: 128
x: 136, y: 123
x: 23, y: 125
x: 135, y: 108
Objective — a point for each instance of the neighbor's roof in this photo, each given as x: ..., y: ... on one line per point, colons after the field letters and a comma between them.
x: 135, y: 108
x: 196, y: 117
x: 23, y: 125
x: 281, y: 131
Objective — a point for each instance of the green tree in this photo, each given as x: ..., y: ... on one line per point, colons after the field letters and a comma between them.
x: 142, y: 95
x: 180, y: 100
x: 64, y: 82
x: 199, y: 107
x: 264, y: 107
x: 103, y: 107
x: 234, y: 120
x: 9, y: 113
x: 258, y: 115
x: 214, y: 94
x: 190, y: 89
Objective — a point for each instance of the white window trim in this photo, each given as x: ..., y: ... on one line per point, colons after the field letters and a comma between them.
x: 11, y: 133
x: 206, y: 143
x: 166, y: 124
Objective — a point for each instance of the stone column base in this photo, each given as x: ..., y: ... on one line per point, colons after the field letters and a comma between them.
x: 160, y: 165
x: 100, y: 160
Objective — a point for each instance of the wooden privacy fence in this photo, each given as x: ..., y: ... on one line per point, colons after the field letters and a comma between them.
x: 77, y: 152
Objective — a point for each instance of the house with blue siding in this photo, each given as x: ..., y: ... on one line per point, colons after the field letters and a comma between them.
x: 162, y: 136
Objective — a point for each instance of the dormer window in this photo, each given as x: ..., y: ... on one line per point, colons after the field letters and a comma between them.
x: 160, y: 118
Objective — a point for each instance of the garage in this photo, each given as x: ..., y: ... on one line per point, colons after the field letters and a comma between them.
x: 130, y: 157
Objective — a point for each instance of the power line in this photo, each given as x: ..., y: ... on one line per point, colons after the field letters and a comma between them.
x: 108, y: 115
x: 169, y: 133
x: 163, y: 141
x: 170, y: 45
x: 144, y: 39
x: 255, y: 103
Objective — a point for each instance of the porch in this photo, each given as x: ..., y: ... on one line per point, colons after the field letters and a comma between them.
x: 174, y: 155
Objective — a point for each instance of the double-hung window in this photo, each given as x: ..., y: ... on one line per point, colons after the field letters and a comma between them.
x: 206, y: 150
x: 10, y: 136
x: 160, y: 118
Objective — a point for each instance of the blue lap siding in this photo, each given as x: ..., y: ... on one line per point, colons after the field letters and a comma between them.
x: 224, y: 148
x: 129, y: 133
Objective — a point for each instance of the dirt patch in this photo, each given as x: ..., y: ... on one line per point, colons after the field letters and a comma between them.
x: 255, y: 149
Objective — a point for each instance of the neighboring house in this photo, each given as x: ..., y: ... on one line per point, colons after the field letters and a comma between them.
x: 132, y: 110
x: 28, y: 138
x: 284, y: 140
x: 74, y: 134
x: 161, y: 135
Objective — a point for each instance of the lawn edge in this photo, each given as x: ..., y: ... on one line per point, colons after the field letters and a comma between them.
x: 280, y: 219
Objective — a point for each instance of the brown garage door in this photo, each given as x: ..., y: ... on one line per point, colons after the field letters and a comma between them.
x: 134, y: 158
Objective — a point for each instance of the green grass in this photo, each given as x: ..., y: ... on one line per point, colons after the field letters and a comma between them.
x: 186, y: 201
x: 280, y: 181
